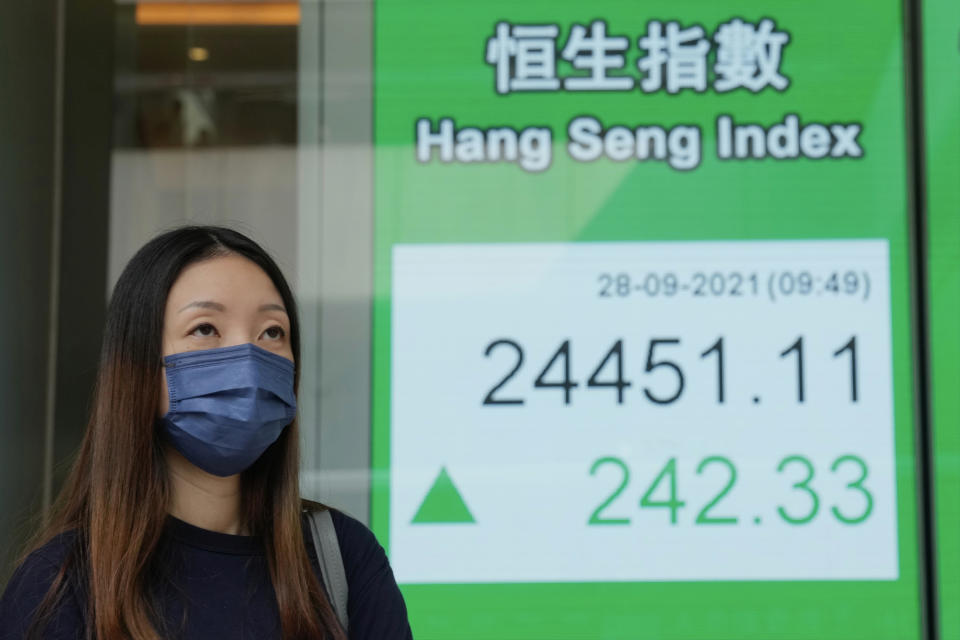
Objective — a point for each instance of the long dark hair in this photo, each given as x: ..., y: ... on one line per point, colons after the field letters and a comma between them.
x: 116, y: 497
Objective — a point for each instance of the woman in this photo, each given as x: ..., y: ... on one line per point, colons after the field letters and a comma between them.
x: 182, y: 517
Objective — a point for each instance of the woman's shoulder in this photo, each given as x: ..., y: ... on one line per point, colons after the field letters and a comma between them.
x: 374, y: 603
x: 354, y: 536
x: 359, y: 548
x: 56, y: 549
x: 30, y: 584
x: 42, y: 565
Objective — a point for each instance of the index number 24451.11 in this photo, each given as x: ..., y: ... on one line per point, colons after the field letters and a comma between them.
x: 608, y: 372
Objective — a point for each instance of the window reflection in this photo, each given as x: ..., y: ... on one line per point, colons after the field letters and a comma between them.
x: 206, y: 74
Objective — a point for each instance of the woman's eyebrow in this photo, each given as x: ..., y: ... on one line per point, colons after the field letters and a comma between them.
x: 272, y: 307
x: 204, y: 304
x: 216, y: 306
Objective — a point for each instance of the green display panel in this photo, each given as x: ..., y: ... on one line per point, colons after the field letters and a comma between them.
x: 642, y: 347
x: 941, y: 54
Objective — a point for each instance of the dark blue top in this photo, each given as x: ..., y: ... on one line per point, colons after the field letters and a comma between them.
x: 217, y: 586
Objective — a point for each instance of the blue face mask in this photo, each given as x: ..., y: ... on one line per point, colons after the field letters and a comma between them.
x: 227, y: 405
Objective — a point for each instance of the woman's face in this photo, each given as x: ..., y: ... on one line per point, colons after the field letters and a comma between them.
x: 222, y: 302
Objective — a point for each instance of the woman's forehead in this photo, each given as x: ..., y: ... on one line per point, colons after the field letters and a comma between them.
x: 222, y: 283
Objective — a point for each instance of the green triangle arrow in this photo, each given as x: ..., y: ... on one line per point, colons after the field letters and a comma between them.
x: 443, y: 504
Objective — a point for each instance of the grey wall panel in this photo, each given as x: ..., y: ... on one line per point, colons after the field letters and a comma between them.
x: 336, y: 248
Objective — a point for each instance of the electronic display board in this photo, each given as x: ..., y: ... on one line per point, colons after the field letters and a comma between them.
x: 642, y: 346
x: 941, y: 55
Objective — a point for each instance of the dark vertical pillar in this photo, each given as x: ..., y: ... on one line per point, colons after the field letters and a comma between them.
x: 28, y: 39
x: 55, y: 126
x: 84, y: 219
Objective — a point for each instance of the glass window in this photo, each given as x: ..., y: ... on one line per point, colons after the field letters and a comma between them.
x: 607, y: 310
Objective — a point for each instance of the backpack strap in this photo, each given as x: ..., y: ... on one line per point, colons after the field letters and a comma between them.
x: 331, y: 563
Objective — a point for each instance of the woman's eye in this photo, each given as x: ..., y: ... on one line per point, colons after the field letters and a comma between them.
x: 275, y: 332
x: 204, y: 330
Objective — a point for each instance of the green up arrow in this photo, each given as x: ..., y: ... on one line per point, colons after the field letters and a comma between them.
x: 443, y: 504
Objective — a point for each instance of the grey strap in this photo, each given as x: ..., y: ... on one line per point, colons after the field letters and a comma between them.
x: 331, y: 563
